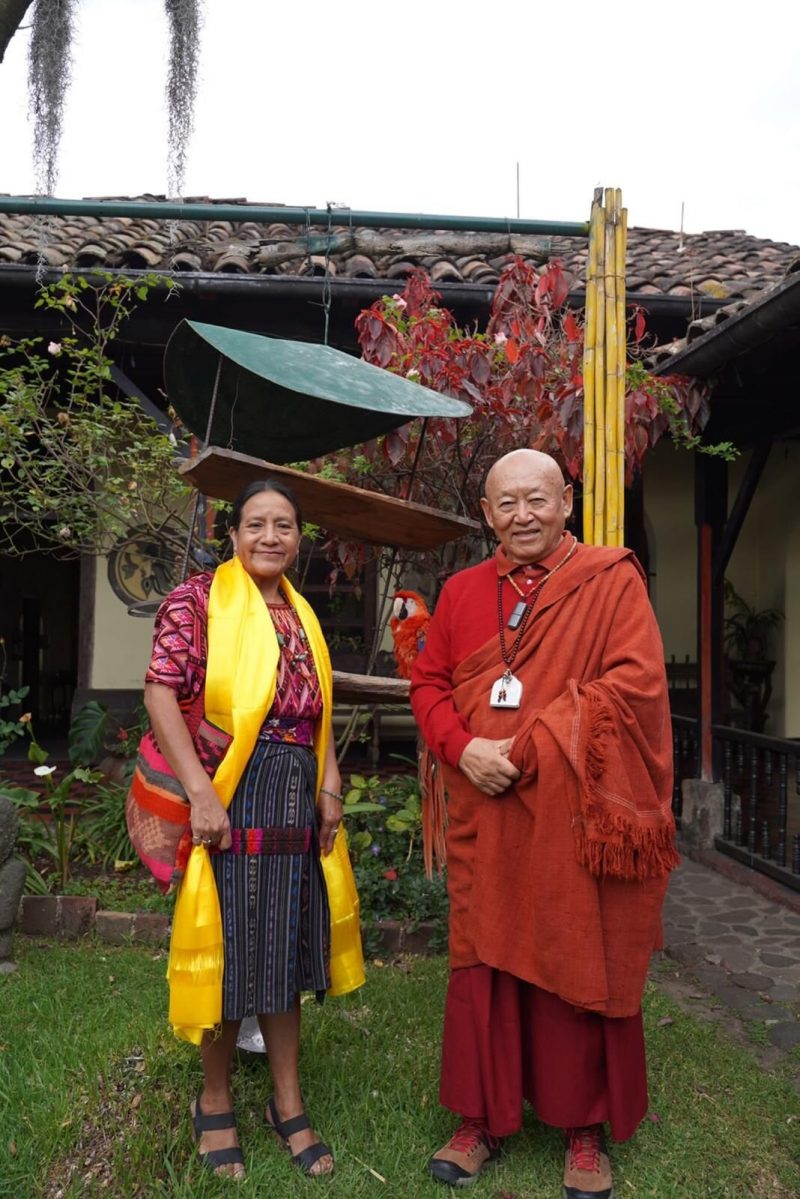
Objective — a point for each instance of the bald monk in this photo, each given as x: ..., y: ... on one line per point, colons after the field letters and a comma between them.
x: 542, y: 690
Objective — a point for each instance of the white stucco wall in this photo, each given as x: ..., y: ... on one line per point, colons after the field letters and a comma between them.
x: 121, y: 642
x: 669, y: 513
x: 764, y: 567
x: 765, y: 570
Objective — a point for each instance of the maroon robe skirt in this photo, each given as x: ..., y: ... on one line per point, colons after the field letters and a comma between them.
x: 506, y: 1040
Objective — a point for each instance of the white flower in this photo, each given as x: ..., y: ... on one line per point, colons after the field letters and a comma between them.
x: 413, y: 373
x: 399, y: 301
x: 43, y: 771
x: 500, y: 339
x: 54, y: 348
x: 65, y: 532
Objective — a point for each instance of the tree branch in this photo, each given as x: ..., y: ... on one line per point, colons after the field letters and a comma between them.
x: 11, y: 15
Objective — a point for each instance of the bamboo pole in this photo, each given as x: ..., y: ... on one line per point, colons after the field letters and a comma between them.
x: 590, y: 337
x: 600, y: 398
x: 604, y: 362
x: 621, y: 254
x: 611, y: 522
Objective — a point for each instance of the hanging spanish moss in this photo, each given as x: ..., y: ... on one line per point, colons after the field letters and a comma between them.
x: 49, y: 71
x: 184, y: 52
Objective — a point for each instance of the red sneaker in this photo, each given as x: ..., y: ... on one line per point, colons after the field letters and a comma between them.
x: 587, y: 1170
x: 462, y: 1159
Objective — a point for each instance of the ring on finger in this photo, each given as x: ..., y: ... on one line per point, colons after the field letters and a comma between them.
x: 197, y: 840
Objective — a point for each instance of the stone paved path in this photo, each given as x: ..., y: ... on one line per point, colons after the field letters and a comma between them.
x: 741, y: 947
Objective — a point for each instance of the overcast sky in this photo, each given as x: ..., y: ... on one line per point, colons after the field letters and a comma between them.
x: 427, y: 105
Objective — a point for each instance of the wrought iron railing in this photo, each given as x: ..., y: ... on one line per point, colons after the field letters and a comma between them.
x: 761, y: 785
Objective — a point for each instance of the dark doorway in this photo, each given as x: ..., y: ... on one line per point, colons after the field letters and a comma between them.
x: 39, y: 618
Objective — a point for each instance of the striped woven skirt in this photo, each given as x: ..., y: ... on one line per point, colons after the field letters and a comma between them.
x: 274, y: 905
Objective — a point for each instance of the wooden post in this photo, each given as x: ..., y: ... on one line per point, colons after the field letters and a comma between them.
x: 711, y: 507
x: 705, y: 659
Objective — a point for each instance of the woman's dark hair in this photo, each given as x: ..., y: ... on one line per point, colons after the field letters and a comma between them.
x: 255, y: 488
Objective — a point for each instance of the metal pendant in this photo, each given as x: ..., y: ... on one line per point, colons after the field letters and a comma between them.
x: 506, y: 692
x: 517, y: 614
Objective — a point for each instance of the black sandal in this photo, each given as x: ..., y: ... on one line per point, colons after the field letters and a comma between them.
x: 212, y: 1159
x: 306, y: 1158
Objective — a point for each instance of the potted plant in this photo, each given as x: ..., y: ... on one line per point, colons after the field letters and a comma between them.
x: 748, y: 633
x: 48, y: 820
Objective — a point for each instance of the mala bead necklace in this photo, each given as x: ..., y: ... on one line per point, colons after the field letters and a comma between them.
x: 507, y: 690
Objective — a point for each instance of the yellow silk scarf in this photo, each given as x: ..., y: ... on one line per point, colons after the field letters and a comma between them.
x: 241, y: 674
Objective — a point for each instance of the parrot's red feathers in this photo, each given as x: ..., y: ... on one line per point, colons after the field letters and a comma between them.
x: 409, y: 625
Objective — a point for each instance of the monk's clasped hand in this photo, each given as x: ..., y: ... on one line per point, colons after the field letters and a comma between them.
x: 486, y: 764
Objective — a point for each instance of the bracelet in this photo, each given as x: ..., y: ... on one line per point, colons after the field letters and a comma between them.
x: 333, y: 795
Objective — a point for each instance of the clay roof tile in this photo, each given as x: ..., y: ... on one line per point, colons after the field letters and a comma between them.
x: 660, y: 261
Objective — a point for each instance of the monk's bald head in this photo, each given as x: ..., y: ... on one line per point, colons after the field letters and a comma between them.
x: 527, y: 504
x: 532, y: 464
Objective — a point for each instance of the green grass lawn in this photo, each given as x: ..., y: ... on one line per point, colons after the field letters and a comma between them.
x: 95, y: 1091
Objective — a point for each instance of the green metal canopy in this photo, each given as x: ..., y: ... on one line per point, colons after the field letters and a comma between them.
x: 286, y: 400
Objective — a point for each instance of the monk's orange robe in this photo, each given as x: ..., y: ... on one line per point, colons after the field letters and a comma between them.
x: 560, y: 880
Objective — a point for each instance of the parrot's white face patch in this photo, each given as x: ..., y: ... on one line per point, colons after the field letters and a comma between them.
x: 403, y: 607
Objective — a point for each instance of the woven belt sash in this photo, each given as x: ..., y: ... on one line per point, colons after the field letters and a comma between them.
x: 268, y: 841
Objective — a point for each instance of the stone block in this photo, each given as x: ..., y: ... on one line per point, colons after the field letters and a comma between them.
x: 6, y: 944
x: 12, y: 881
x: 116, y: 928
x: 39, y: 915
x: 76, y: 915
x: 751, y: 981
x: 702, y: 813
x: 151, y: 928
x: 390, y: 934
x: 396, y: 938
x: 784, y: 993
x: 418, y: 940
x: 9, y: 824
x: 785, y: 1034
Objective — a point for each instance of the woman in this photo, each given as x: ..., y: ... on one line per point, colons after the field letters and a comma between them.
x: 264, y: 849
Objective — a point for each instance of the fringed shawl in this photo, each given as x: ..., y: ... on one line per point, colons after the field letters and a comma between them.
x: 560, y: 880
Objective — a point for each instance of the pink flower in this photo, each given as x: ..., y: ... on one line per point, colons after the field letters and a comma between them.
x: 399, y: 301
x: 500, y: 339
x: 390, y: 875
x: 122, y: 735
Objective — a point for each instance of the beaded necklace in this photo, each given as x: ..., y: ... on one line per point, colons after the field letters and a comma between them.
x: 507, y: 690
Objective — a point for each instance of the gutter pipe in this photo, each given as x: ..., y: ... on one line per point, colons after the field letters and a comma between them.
x: 268, y: 215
